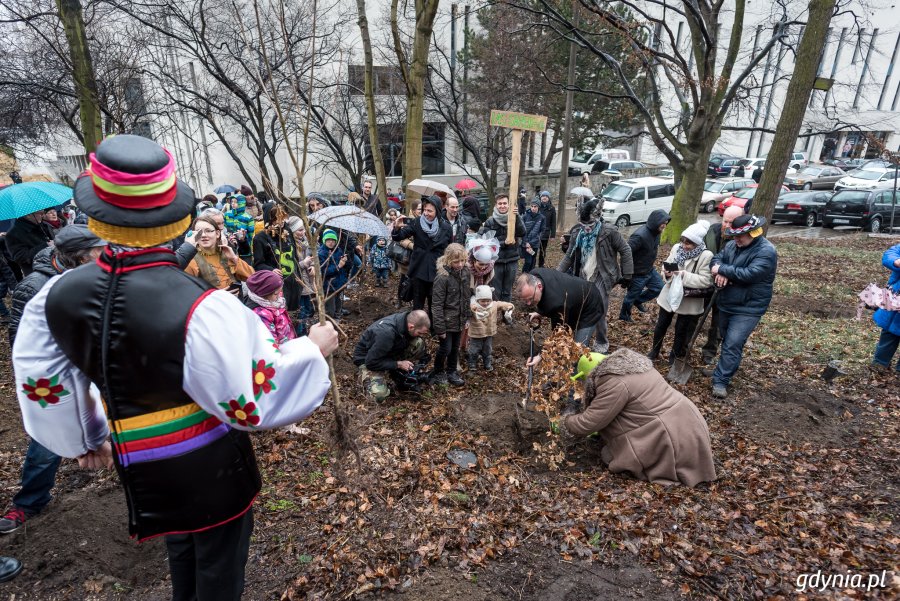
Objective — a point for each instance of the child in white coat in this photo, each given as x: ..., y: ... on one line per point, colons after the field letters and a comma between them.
x: 483, y: 326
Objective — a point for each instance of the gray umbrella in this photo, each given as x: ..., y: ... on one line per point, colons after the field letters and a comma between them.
x: 351, y: 219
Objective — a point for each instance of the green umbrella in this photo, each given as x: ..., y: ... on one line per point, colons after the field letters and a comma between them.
x: 18, y: 200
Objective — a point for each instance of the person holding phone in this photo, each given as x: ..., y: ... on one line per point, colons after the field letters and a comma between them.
x: 216, y: 262
x: 689, y: 259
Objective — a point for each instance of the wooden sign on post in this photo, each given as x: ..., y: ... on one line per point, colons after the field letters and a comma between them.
x: 517, y: 122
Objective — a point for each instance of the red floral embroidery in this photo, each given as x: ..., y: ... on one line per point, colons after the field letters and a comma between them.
x: 241, y: 412
x: 44, y: 391
x: 262, y: 378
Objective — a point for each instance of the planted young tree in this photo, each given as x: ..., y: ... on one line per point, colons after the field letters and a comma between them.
x: 703, y: 71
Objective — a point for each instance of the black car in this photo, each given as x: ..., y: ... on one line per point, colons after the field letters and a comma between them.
x: 721, y: 166
x: 868, y: 209
x: 805, y: 208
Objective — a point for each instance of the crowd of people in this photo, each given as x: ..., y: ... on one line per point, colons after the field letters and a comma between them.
x: 234, y: 281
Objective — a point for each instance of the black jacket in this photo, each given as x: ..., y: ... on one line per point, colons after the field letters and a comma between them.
x: 644, y: 242
x: 508, y: 252
x: 713, y: 239
x: 549, y: 212
x: 426, y: 252
x: 383, y: 343
x: 569, y: 299
x: 462, y: 227
x: 45, y: 267
x: 25, y: 240
x: 451, y: 295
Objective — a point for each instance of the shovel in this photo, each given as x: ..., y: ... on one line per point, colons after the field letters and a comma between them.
x: 530, y: 370
x: 681, y: 370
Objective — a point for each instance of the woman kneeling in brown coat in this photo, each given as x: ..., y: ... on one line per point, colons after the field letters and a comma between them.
x: 650, y: 429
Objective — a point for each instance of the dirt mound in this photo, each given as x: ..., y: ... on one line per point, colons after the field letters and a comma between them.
x: 491, y: 415
x: 813, y: 307
x: 80, y: 545
x: 531, y: 576
x: 795, y: 412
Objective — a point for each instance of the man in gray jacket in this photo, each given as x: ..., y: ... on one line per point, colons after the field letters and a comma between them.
x: 599, y: 254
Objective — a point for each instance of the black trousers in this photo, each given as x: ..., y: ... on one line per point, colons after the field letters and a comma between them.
x: 542, y: 252
x: 422, y: 294
x: 713, y: 336
x: 209, y: 565
x: 448, y: 352
x: 684, y: 327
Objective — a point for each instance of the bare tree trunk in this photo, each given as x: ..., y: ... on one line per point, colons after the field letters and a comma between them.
x: 796, y: 100
x: 414, y: 74
x: 72, y: 17
x: 370, y: 103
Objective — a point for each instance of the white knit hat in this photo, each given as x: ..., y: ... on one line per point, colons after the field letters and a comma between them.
x: 696, y: 232
x: 484, y: 293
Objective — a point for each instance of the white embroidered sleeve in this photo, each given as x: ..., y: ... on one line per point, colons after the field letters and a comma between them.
x: 60, y: 408
x: 235, y: 371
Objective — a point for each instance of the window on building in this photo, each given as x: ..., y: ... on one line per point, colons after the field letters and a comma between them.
x: 388, y: 81
x: 391, y: 139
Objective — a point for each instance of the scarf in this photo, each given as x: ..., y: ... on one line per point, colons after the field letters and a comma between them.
x: 682, y: 256
x: 208, y: 273
x: 432, y: 228
x: 57, y: 224
x: 587, y: 237
x: 262, y: 302
x: 500, y: 218
x: 481, y: 275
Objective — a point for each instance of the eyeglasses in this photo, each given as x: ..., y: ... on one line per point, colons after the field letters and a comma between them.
x: 200, y: 232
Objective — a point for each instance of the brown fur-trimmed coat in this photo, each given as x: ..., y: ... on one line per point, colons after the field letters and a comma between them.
x: 651, y: 430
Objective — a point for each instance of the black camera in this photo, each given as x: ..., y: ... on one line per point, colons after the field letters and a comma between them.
x: 670, y: 266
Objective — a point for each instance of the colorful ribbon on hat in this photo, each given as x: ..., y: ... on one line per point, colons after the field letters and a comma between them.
x: 134, y: 190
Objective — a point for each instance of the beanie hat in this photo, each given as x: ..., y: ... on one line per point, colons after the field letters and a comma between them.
x: 587, y: 363
x: 484, y: 293
x: 245, y: 190
x: 294, y: 223
x: 696, y: 231
x: 329, y: 235
x: 535, y: 202
x: 264, y: 282
x: 131, y: 195
x: 76, y: 237
x: 545, y: 193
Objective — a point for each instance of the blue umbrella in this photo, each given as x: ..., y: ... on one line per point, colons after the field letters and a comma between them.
x: 226, y: 189
x: 18, y: 200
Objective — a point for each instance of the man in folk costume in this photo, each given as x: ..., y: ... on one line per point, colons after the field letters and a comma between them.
x: 182, y: 373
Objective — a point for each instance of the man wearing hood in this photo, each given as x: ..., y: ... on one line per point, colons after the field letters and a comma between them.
x: 28, y: 236
x: 508, y: 259
x: 546, y: 209
x: 598, y: 253
x: 647, y: 283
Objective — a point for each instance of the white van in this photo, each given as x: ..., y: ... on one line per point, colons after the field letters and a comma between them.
x: 630, y: 201
x: 583, y: 162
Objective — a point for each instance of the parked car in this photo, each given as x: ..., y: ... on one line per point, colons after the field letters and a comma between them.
x: 721, y: 165
x: 805, y: 208
x: 631, y: 201
x: 814, y: 177
x: 746, y: 167
x: 867, y: 209
x: 583, y: 162
x: 845, y: 164
x: 601, y: 166
x: 717, y: 190
x: 867, y: 179
x: 742, y: 197
x: 878, y: 164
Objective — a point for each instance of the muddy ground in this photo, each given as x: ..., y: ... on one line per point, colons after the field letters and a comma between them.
x: 804, y: 464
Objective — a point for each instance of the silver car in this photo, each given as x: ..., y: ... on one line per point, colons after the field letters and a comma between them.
x: 814, y: 178
x: 717, y: 190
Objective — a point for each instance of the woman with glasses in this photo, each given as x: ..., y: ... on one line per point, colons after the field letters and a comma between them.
x: 216, y: 263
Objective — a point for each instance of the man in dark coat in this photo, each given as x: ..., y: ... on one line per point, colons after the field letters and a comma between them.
x: 715, y: 241
x: 647, y: 283
x: 431, y: 235
x: 745, y: 273
x: 28, y: 236
x: 531, y: 242
x: 549, y: 232
x: 459, y: 224
x: 562, y: 298
x: 507, y: 264
x: 390, y: 346
x: 371, y: 202
x: 74, y: 245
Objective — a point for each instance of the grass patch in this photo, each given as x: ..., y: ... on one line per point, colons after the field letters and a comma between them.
x: 816, y: 340
x: 843, y: 253
x: 794, y: 287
